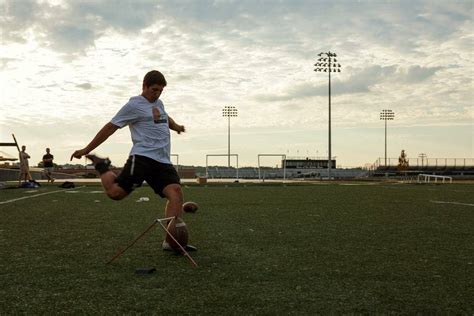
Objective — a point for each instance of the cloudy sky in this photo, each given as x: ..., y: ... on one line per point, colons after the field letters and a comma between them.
x: 66, y: 67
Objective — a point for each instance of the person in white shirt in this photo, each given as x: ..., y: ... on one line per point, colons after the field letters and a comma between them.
x: 149, y: 158
x: 24, y: 165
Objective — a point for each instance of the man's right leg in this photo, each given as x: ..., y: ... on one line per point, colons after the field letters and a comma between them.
x: 111, y: 188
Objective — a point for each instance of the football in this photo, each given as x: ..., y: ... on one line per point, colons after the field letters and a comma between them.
x: 190, y: 207
x: 177, y: 228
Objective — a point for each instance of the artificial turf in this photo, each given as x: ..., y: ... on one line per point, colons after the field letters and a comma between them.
x: 263, y: 250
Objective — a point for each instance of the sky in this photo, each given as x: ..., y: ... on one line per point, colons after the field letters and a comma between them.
x: 66, y: 68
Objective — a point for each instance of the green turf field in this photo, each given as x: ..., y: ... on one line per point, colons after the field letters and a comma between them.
x: 263, y: 250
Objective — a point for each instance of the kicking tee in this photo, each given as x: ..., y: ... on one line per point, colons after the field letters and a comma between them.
x: 148, y: 124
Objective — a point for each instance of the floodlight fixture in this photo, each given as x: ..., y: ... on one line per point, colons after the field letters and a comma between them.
x: 423, y: 156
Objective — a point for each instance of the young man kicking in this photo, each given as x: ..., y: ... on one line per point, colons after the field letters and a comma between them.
x: 149, y: 159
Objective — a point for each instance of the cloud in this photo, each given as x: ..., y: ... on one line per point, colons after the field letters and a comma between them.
x: 74, y: 26
x: 416, y: 74
x: 125, y: 16
x: 360, y: 81
x: 70, y: 38
x: 85, y: 86
x: 6, y: 60
x: 15, y: 18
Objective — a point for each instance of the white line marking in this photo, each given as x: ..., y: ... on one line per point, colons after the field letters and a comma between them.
x: 32, y: 196
x: 457, y: 203
x: 357, y: 183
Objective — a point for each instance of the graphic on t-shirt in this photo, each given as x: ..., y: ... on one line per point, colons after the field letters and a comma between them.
x: 157, y: 116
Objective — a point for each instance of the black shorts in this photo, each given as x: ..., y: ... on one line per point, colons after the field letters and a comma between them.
x: 140, y: 168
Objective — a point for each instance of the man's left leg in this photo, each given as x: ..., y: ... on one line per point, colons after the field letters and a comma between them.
x: 47, y: 174
x: 174, y: 208
x: 174, y: 205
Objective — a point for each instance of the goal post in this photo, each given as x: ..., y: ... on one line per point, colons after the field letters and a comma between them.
x: 430, y: 178
x: 283, y: 156
x: 11, y: 144
x: 222, y: 155
x: 177, y: 160
x: 15, y: 144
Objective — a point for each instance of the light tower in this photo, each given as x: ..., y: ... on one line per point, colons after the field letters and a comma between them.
x: 386, y: 115
x: 327, y: 63
x: 229, y: 111
x: 423, y: 156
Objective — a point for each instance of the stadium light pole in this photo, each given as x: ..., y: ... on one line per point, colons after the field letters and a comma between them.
x: 328, y: 63
x: 386, y: 115
x: 422, y: 156
x: 229, y: 111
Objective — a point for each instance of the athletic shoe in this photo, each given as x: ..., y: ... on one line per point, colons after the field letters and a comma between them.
x: 190, y: 248
x: 97, y: 160
x: 100, y: 164
x: 166, y: 247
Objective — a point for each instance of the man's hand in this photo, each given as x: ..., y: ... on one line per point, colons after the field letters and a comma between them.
x: 181, y: 129
x: 79, y: 153
x: 175, y: 126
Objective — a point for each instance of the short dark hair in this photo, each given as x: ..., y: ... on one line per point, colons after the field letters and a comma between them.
x: 154, y: 77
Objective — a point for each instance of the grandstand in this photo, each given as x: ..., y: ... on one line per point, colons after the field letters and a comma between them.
x: 308, y: 163
x: 456, y: 167
x: 219, y: 172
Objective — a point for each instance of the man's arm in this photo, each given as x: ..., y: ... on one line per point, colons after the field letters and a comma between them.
x: 174, y: 126
x: 101, y: 136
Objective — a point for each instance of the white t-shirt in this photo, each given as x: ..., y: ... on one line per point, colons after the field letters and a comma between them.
x: 148, y: 123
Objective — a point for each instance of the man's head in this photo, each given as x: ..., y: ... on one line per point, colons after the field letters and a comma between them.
x: 47, y: 150
x: 23, y: 148
x: 153, y: 84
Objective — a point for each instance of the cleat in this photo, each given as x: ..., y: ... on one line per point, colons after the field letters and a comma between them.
x: 100, y: 164
x: 190, y: 248
x: 166, y: 247
x: 97, y: 160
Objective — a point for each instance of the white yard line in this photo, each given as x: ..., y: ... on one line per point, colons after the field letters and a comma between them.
x: 457, y: 203
x: 32, y: 196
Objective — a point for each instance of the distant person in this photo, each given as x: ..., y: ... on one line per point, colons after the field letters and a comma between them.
x: 403, y: 161
x: 149, y: 159
x: 48, y: 165
x: 24, y: 165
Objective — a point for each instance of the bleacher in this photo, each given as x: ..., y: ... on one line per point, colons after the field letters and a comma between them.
x: 217, y: 172
x: 457, y: 167
x: 279, y: 173
x: 36, y: 174
x: 322, y: 173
